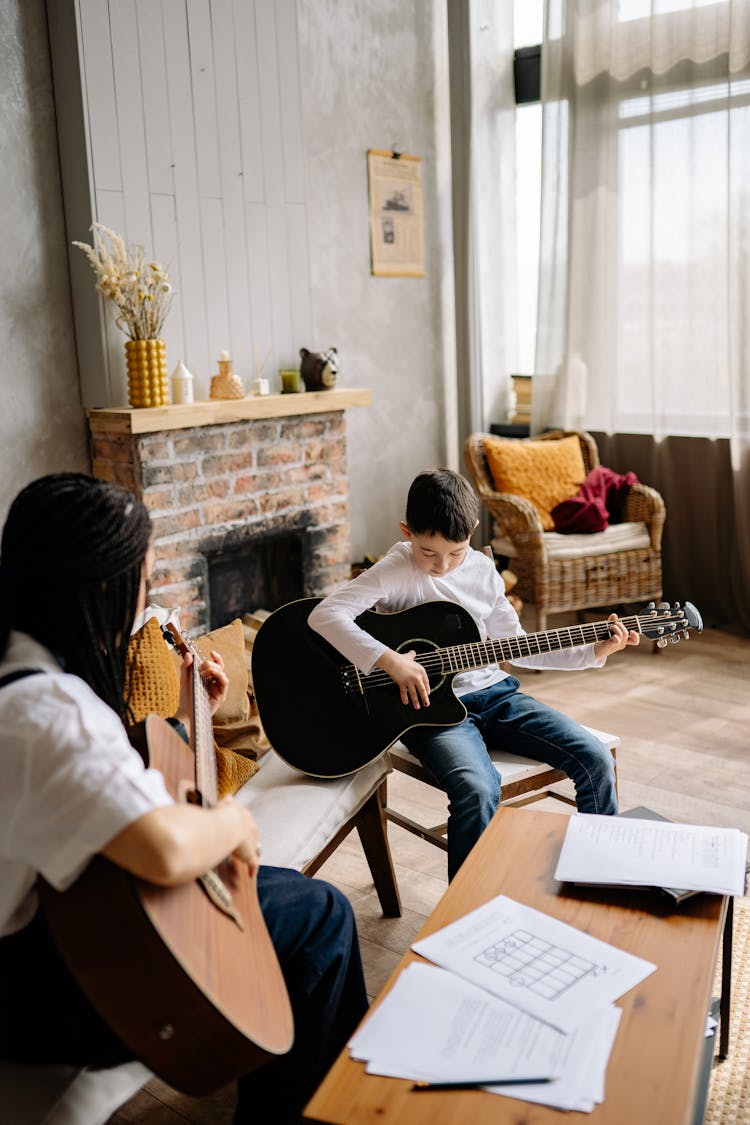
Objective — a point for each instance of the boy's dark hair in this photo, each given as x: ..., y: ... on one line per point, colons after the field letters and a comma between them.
x: 441, y: 502
x: 70, y: 570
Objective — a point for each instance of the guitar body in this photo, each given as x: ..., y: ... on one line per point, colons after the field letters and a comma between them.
x: 197, y: 999
x: 297, y: 678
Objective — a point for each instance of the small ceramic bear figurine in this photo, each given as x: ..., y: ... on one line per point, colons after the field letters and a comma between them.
x: 319, y: 370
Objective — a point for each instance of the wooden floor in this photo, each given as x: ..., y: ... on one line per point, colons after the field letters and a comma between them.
x: 683, y: 714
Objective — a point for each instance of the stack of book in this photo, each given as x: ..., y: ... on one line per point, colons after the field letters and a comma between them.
x: 522, y: 391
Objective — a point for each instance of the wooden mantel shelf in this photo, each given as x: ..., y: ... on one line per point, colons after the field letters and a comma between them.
x: 214, y: 412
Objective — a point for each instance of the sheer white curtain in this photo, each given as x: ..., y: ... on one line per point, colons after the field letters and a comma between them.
x: 483, y: 158
x: 646, y: 224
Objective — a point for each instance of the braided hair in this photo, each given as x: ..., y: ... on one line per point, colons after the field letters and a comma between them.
x: 70, y: 572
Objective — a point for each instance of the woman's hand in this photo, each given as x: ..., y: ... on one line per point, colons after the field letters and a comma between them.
x: 404, y: 669
x: 214, y: 679
x: 248, y: 850
x: 619, y: 638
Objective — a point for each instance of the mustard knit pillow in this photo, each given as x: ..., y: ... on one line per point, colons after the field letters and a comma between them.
x: 544, y: 472
x: 154, y: 684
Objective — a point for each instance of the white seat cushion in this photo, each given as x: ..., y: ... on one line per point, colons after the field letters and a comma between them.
x: 66, y: 1095
x: 511, y: 767
x: 616, y: 537
x: 298, y: 815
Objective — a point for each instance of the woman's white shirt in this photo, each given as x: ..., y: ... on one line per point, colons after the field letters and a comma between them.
x: 71, y: 781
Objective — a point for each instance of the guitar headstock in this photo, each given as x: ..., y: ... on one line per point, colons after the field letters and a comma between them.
x: 665, y: 623
x: 173, y: 637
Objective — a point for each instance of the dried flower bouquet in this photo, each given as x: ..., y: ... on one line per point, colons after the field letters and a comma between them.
x: 140, y: 290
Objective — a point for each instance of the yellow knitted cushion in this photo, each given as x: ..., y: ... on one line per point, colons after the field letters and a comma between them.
x: 150, y: 677
x: 237, y: 725
x: 155, y: 690
x: 544, y: 472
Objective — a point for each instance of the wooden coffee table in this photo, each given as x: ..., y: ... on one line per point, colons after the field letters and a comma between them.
x: 653, y: 1073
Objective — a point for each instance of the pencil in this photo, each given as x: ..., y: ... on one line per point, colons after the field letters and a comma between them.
x: 479, y: 1082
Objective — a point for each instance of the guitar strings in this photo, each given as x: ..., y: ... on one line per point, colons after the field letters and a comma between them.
x: 441, y: 662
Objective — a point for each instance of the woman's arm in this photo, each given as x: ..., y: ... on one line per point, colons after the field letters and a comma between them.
x: 176, y: 843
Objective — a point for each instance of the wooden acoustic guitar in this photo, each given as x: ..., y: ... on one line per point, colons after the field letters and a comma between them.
x: 187, y: 976
x: 327, y: 719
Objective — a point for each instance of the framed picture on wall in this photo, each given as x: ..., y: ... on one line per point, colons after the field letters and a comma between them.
x: 396, y: 216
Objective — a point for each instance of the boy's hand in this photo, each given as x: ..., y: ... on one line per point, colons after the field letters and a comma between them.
x: 618, y: 638
x: 410, y: 676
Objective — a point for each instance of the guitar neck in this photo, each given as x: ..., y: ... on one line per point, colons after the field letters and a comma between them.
x: 206, y: 778
x: 462, y: 658
x: 202, y: 730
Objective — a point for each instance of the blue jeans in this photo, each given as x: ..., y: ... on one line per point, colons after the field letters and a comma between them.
x: 502, y: 717
x: 313, y: 931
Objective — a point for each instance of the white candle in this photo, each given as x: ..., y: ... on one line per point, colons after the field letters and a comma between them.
x: 182, y: 384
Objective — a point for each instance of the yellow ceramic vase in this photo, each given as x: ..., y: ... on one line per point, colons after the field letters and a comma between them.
x: 148, y: 380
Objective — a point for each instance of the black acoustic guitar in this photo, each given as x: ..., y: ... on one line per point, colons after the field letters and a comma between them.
x: 327, y: 719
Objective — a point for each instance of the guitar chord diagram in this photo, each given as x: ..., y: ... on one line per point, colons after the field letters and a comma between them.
x: 532, y: 963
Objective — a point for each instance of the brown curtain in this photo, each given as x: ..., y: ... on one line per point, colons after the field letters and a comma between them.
x: 701, y: 555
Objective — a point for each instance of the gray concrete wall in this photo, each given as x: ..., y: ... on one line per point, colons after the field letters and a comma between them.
x: 374, y: 73
x: 41, y: 421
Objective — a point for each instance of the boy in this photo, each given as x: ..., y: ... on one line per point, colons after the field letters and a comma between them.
x: 436, y: 563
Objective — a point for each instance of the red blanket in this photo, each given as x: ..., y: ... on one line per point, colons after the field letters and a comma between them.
x: 597, y: 503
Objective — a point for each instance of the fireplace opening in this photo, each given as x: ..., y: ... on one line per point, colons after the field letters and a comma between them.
x: 264, y: 573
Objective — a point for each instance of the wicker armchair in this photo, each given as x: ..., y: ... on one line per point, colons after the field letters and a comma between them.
x: 571, y: 572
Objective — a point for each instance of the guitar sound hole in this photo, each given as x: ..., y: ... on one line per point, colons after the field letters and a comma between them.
x: 434, y: 667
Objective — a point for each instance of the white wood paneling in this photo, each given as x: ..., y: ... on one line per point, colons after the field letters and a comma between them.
x: 299, y: 291
x: 192, y: 112
x: 230, y: 171
x: 129, y: 109
x: 248, y: 87
x: 155, y: 100
x: 273, y: 160
x: 99, y: 95
x: 289, y: 101
x: 261, y: 317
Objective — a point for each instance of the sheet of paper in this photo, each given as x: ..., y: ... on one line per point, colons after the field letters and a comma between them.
x: 617, y: 851
x: 537, y: 963
x: 585, y: 1058
x: 434, y: 1026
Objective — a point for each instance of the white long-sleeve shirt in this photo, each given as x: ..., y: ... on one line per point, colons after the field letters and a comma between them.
x: 395, y: 583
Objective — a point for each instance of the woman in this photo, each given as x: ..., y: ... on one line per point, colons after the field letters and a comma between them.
x: 74, y: 567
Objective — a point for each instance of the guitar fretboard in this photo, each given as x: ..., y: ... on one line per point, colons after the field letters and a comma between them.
x: 478, y: 654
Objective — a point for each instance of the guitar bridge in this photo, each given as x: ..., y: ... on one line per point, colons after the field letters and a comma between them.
x: 221, y: 896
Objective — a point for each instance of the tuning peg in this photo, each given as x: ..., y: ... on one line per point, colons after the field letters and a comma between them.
x: 662, y: 642
x: 650, y: 607
x: 675, y: 640
x: 663, y: 605
x: 686, y: 635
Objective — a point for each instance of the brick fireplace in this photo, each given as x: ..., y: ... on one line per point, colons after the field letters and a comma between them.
x: 260, y: 481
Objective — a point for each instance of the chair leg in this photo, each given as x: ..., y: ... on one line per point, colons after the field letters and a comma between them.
x: 371, y: 825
